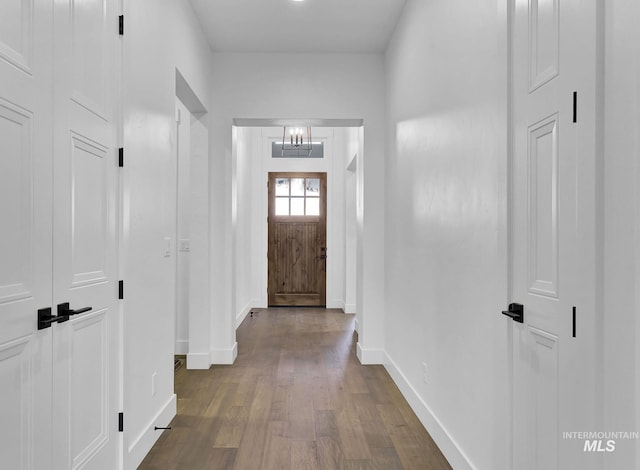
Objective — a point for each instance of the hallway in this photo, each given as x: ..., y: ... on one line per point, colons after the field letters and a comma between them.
x: 295, y: 398
x: 482, y: 223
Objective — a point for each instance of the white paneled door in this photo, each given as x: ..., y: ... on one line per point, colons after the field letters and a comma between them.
x: 58, y: 205
x: 25, y: 232
x: 85, y: 351
x: 553, y: 231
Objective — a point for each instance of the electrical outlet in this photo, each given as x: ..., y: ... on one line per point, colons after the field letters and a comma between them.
x: 424, y: 372
x: 153, y: 384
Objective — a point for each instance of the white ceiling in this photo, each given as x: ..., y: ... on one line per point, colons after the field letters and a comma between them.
x: 306, y: 26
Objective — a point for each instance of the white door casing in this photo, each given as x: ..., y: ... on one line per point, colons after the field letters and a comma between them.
x: 183, y: 160
x: 553, y: 231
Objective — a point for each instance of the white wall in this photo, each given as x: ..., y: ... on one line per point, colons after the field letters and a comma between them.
x: 150, y: 58
x: 335, y: 86
x: 621, y: 230
x: 445, y: 240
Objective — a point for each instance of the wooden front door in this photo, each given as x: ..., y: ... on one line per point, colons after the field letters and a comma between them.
x: 297, y: 239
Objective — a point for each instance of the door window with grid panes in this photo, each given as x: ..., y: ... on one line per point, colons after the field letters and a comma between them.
x: 297, y: 196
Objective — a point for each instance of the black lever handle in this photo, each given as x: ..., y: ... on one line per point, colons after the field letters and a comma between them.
x: 63, y: 309
x: 515, y: 312
x: 45, y: 319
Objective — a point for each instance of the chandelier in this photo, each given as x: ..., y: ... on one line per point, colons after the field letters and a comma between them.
x: 299, y: 139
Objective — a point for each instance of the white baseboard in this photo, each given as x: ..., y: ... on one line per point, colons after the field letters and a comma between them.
x: 243, y: 313
x: 357, y: 325
x: 182, y: 346
x: 198, y: 361
x: 143, y: 443
x: 349, y: 308
x: 224, y: 356
x: 370, y: 356
x: 449, y: 447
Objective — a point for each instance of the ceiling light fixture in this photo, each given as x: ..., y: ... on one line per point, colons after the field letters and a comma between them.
x: 297, y: 139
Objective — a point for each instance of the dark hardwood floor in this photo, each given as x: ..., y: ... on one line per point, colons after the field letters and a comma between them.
x: 296, y: 398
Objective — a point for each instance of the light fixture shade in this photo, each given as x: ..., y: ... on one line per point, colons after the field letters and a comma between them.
x: 299, y: 138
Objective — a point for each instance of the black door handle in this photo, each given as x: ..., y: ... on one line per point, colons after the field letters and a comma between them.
x: 63, y: 309
x: 515, y: 312
x: 45, y: 319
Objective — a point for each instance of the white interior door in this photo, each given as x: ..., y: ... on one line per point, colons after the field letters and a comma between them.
x: 25, y: 233
x: 553, y: 232
x: 58, y: 381
x: 85, y: 349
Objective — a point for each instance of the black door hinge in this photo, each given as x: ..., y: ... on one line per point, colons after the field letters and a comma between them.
x: 121, y: 157
x: 575, y: 106
x: 120, y: 290
x: 121, y: 25
x: 120, y: 422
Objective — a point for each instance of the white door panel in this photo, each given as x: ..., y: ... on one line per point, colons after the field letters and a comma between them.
x: 90, y: 38
x: 16, y: 203
x: 87, y: 217
x: 543, y: 226
x: 82, y: 353
x: 16, y: 32
x: 19, y: 392
x: 544, y: 21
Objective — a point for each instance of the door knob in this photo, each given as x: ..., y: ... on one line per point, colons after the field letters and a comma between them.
x: 63, y: 309
x: 515, y: 312
x: 45, y: 319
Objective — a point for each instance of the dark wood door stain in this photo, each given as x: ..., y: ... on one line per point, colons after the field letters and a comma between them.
x: 297, y: 245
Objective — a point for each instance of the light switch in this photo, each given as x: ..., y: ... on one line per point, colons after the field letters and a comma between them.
x: 185, y: 245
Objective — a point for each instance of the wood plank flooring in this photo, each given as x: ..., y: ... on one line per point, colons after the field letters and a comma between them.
x: 297, y: 398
